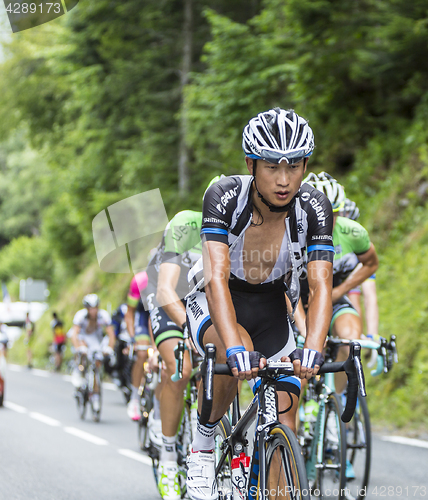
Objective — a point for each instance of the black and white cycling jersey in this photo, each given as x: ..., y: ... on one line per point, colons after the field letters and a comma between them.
x: 228, y: 211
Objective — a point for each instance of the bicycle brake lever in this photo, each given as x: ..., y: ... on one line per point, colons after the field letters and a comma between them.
x: 383, y: 351
x: 207, y: 370
x: 393, y: 345
x: 356, y: 354
x: 179, y: 356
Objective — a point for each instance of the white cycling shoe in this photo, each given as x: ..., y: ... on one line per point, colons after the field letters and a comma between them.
x: 76, y: 378
x: 133, y: 410
x: 201, y: 481
x: 155, y: 430
x: 95, y: 402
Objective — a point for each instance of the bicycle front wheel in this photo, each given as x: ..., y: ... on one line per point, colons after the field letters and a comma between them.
x: 96, y: 402
x: 286, y: 472
x: 223, y: 461
x: 81, y: 395
x: 358, y: 437
x: 331, y: 478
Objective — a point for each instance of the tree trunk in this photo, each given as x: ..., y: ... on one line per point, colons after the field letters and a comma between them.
x: 183, y: 162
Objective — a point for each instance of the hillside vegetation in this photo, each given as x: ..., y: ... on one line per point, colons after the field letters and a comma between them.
x: 118, y: 98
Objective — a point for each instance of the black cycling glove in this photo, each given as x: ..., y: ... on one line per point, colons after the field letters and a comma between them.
x: 308, y: 357
x: 242, y: 360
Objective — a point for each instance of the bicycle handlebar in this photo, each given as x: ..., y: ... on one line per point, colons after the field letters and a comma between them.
x: 352, y: 367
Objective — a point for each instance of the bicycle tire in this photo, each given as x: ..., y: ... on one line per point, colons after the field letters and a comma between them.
x: 286, y: 472
x: 81, y: 396
x: 146, y: 405
x: 358, y: 436
x: 96, y: 414
x: 223, y: 471
x: 331, y: 475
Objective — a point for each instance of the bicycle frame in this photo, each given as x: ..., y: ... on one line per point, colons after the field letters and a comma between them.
x: 317, y: 447
x: 265, y: 402
x: 263, y: 406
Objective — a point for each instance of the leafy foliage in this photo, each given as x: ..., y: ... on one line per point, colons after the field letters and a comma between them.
x: 91, y: 108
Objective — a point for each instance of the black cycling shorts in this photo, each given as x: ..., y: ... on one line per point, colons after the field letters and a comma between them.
x: 163, y: 327
x: 261, y: 309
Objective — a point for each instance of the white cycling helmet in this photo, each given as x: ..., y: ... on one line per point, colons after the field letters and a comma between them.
x: 350, y: 210
x: 330, y: 187
x: 91, y: 300
x: 278, y: 135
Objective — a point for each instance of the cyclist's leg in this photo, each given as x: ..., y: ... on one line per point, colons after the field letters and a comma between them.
x: 345, y: 324
x: 166, y: 335
x: 142, y: 337
x: 137, y: 375
x: 224, y: 386
x: 354, y: 297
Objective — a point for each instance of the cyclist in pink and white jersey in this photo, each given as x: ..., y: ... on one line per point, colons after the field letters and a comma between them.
x: 136, y: 319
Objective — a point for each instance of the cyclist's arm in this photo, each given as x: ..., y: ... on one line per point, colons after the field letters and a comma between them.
x: 166, y: 295
x: 320, y: 280
x: 300, y: 318
x: 130, y: 319
x: 371, y: 307
x: 111, y: 336
x: 370, y: 263
x: 216, y: 261
x: 75, y: 336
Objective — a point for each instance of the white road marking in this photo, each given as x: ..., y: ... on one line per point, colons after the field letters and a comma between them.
x: 15, y: 407
x: 45, y: 419
x: 136, y: 456
x: 15, y: 368
x: 408, y: 441
x: 109, y: 386
x: 86, y: 436
x: 40, y: 373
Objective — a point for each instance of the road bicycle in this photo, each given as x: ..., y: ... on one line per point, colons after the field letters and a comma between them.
x: 188, y: 422
x: 358, y: 431
x: 91, y: 378
x: 259, y: 458
x: 338, y: 457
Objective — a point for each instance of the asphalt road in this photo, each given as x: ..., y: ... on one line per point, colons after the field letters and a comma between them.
x: 48, y: 453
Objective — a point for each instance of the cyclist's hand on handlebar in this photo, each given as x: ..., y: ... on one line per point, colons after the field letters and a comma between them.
x: 306, y: 362
x: 108, y: 351
x: 82, y: 349
x: 244, y: 364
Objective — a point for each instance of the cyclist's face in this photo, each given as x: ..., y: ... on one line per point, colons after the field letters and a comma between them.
x: 278, y: 184
x: 92, y: 312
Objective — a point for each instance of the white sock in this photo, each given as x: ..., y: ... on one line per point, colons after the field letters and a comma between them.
x: 169, y: 451
x: 156, y: 408
x: 204, y: 438
x: 134, y: 392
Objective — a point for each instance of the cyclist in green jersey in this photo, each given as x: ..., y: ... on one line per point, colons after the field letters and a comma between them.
x: 367, y: 289
x: 180, y: 249
x: 352, y: 247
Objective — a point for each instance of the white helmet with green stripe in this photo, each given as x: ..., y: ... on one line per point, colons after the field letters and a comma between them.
x: 325, y: 183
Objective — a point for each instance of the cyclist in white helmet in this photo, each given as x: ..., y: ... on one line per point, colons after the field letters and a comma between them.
x: 367, y: 289
x: 355, y: 260
x: 88, y: 332
x: 256, y: 232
